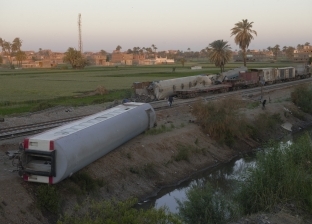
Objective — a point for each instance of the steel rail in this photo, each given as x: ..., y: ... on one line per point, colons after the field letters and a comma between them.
x: 17, y: 131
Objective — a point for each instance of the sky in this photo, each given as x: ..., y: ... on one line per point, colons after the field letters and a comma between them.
x: 168, y: 24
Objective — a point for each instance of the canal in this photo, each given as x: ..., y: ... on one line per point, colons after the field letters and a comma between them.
x: 223, y: 178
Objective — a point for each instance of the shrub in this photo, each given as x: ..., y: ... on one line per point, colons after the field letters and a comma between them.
x: 183, y: 153
x: 302, y: 97
x: 282, y: 174
x: 265, y: 123
x: 204, y: 205
x: 221, y: 119
x: 48, y: 198
x: 86, y: 183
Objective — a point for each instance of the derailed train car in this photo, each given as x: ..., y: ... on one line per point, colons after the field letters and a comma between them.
x: 230, y: 80
x: 158, y: 90
x: 56, y: 154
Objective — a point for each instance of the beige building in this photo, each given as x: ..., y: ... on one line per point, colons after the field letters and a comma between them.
x: 303, y: 54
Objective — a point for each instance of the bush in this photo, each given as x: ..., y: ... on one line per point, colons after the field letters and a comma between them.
x: 48, y: 198
x: 265, y: 123
x: 302, y: 97
x: 86, y: 183
x: 282, y: 174
x: 204, y: 205
x: 221, y: 119
x: 183, y: 153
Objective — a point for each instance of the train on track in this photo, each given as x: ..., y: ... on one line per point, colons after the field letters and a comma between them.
x: 56, y: 154
x: 234, y: 79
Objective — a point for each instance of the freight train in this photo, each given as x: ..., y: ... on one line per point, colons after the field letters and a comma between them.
x: 227, y: 81
x: 56, y: 154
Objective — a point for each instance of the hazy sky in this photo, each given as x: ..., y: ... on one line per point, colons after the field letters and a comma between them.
x: 169, y: 24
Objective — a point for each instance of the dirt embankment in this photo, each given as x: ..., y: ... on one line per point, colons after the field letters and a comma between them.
x: 143, y: 165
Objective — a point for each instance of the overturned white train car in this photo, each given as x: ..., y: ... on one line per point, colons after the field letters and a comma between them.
x: 56, y: 154
x: 164, y: 88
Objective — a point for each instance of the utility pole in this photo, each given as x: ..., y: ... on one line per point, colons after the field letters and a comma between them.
x: 79, y: 33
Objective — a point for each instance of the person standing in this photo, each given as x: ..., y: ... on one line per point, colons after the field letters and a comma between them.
x: 170, y: 100
x: 263, y: 104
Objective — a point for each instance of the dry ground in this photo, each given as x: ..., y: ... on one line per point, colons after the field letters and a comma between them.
x: 140, y: 167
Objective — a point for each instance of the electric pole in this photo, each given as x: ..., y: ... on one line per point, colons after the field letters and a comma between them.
x: 79, y: 33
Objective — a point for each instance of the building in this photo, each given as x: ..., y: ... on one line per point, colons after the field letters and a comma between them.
x: 303, y: 55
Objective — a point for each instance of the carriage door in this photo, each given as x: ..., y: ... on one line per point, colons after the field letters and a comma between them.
x: 150, y: 120
x: 282, y: 74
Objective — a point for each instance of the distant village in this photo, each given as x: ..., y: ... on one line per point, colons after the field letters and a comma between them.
x: 49, y: 59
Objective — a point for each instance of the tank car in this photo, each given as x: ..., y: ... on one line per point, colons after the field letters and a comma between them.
x: 56, y: 154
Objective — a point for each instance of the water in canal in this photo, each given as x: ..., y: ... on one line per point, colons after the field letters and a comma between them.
x: 223, y: 177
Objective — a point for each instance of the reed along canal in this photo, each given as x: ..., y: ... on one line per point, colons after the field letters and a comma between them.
x: 223, y: 178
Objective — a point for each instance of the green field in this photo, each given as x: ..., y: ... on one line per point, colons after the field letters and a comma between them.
x: 24, y: 88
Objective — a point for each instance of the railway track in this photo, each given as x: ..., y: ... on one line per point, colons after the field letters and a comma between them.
x: 17, y: 131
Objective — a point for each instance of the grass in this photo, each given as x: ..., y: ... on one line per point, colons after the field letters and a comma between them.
x: 253, y: 105
x: 21, y: 90
x: 114, y: 212
x: 148, y: 170
x: 86, y: 183
x: 158, y: 130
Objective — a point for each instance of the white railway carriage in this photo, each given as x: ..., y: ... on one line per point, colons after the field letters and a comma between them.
x: 286, y: 73
x: 268, y: 75
x: 164, y: 88
x: 56, y: 154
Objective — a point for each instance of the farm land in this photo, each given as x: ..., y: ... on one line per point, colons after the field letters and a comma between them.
x: 24, y: 90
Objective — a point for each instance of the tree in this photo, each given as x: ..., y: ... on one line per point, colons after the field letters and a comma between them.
x: 103, y: 52
x: 75, y: 58
x: 243, y: 35
x: 290, y: 52
x: 20, y: 56
x: 307, y: 44
x: 276, y: 49
x: 7, y: 49
x: 220, y: 53
x: 17, y: 44
x: 182, y: 60
x: 118, y: 48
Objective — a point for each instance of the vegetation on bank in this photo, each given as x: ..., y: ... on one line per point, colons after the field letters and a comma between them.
x: 224, y: 122
x: 282, y: 175
x: 114, y: 212
x: 302, y: 97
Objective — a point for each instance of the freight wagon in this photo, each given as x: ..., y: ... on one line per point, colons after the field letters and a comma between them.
x: 56, y: 154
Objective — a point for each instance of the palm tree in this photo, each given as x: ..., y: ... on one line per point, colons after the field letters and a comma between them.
x: 276, y: 49
x: 220, y: 53
x: 118, y: 48
x: 243, y: 35
x: 20, y: 56
x: 17, y: 44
